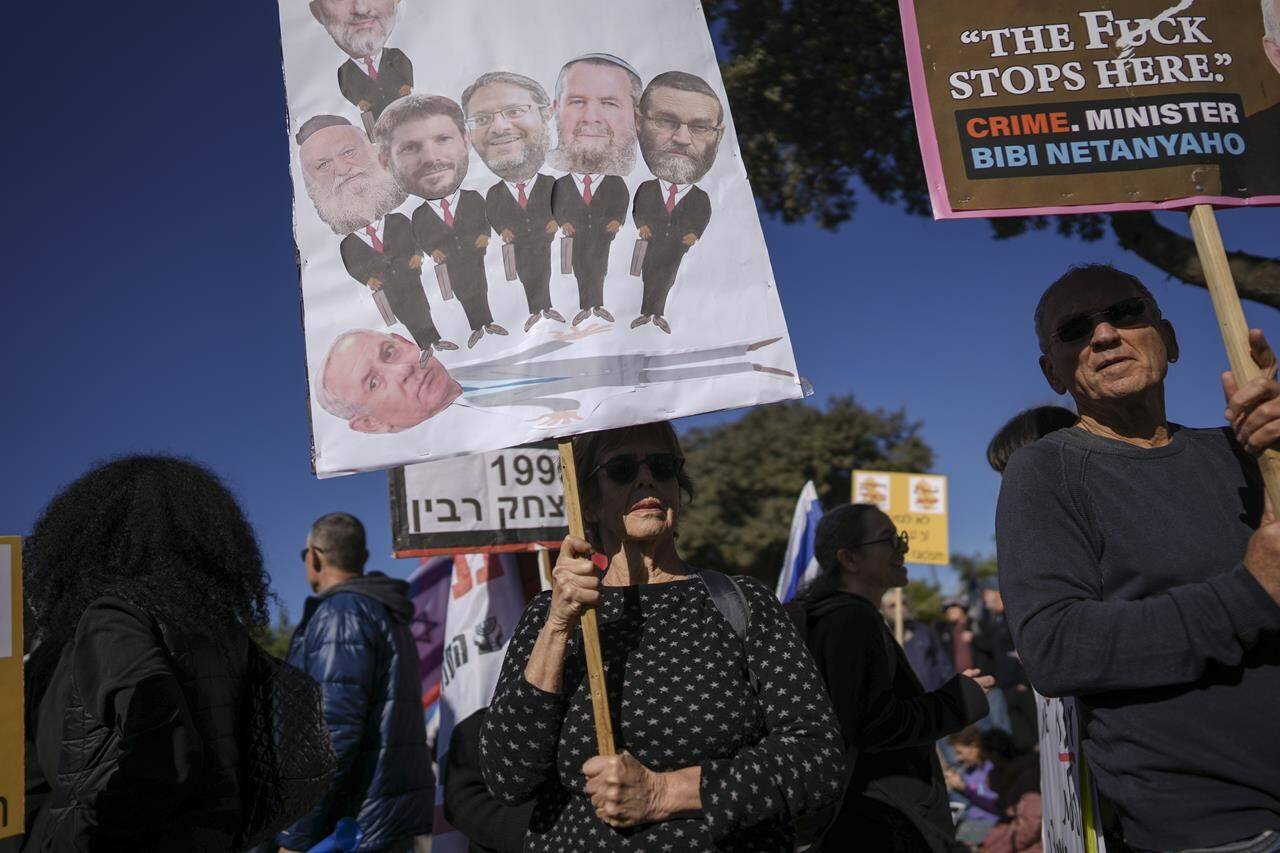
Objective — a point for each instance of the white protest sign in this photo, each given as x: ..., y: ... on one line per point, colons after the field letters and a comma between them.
x: 485, y: 603
x: 505, y: 500
x: 1070, y: 822
x: 516, y: 220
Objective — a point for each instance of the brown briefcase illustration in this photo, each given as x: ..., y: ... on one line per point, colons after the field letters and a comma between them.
x: 442, y: 278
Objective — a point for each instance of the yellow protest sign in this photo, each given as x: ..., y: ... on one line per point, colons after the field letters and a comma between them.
x: 917, y: 503
x: 12, y: 808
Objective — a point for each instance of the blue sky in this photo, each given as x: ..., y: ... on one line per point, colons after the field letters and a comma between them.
x: 152, y: 300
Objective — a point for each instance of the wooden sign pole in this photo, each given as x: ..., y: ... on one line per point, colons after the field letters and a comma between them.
x: 590, y: 629
x: 544, y: 568
x: 1235, y: 333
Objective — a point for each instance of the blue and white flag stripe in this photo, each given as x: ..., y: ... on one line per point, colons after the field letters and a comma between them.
x: 801, y: 564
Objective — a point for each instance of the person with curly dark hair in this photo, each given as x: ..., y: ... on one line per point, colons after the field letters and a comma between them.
x: 145, y: 581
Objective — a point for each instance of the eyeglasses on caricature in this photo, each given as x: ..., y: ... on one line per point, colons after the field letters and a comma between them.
x: 625, y: 467
x: 1124, y: 314
x: 699, y: 130
x: 479, y: 120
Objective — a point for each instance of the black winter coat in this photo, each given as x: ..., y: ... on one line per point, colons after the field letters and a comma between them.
x: 136, y: 734
x: 897, y: 797
x: 355, y: 641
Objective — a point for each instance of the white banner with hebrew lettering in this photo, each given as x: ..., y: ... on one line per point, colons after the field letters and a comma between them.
x: 1071, y: 822
x: 485, y: 603
x: 519, y: 219
x: 505, y: 500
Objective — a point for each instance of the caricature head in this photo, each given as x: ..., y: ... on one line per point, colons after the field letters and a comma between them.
x: 377, y: 383
x: 508, y: 116
x: 359, y: 27
x: 423, y: 140
x: 596, y: 100
x: 681, y: 125
x: 343, y: 177
x: 1271, y: 36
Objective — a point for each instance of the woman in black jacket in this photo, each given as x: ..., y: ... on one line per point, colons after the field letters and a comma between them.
x: 145, y: 581
x: 897, y: 798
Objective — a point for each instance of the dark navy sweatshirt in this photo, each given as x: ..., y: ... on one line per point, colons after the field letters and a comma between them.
x: 1122, y: 575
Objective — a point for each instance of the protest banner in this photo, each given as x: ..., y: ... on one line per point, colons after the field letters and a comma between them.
x: 485, y: 601
x: 428, y: 590
x: 505, y: 500
x: 1071, y: 822
x: 917, y: 503
x: 556, y: 98
x: 1069, y: 106
x: 12, y: 743
x: 1072, y: 106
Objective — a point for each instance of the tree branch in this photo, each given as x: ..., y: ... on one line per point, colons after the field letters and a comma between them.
x: 1257, y: 278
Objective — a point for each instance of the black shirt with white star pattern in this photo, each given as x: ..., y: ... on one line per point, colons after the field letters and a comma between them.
x: 679, y: 695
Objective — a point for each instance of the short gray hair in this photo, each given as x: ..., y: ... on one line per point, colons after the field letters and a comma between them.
x: 1271, y: 19
x: 410, y: 108
x: 1085, y: 272
x: 335, y: 405
x: 492, y: 78
x: 604, y: 59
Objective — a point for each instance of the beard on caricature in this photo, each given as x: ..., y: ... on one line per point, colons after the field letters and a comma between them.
x: 679, y: 164
x: 356, y: 201
x: 437, y: 179
x: 362, y: 35
x: 520, y: 164
x: 593, y: 148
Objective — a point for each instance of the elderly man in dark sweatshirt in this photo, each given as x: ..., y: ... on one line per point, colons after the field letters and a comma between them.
x: 1141, y: 573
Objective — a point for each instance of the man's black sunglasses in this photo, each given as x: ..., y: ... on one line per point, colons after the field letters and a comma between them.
x: 1124, y: 314
x: 625, y: 467
x: 309, y: 548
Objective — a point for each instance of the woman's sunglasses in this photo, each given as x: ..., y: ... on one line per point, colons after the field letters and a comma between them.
x: 624, y: 468
x: 1123, y: 314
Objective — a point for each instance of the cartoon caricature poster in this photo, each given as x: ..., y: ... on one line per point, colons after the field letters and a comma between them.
x: 519, y: 219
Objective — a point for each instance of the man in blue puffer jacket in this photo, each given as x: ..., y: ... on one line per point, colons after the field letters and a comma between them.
x: 355, y: 640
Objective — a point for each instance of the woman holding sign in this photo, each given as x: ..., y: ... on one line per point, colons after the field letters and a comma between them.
x: 725, y: 738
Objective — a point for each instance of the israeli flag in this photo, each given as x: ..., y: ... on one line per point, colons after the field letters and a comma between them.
x: 801, y: 564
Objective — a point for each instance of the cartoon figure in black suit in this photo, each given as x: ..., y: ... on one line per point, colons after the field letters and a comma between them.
x: 508, y: 116
x: 384, y: 256
x: 375, y: 75
x: 681, y: 124
x: 423, y: 141
x: 596, y: 100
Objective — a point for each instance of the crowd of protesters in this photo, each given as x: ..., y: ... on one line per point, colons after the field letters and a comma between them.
x: 1139, y: 572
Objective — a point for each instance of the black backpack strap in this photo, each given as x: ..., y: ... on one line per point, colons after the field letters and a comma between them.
x: 732, y: 603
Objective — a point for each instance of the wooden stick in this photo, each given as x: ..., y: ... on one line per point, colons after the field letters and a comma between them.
x: 544, y: 567
x: 590, y: 629
x: 1235, y: 333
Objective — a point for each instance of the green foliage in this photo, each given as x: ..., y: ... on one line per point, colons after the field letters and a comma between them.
x: 821, y: 97
x: 974, y: 567
x: 924, y: 601
x: 749, y: 472
x: 274, y: 639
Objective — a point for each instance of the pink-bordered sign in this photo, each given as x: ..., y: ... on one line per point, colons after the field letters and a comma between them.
x: 1219, y: 48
